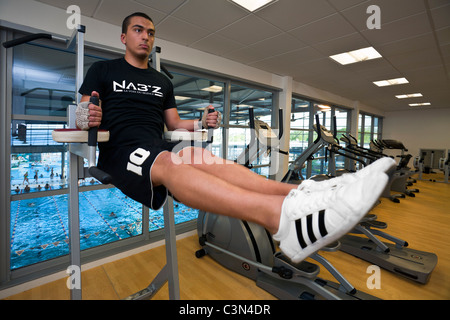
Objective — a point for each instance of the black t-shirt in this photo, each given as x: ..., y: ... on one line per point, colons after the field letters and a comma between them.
x: 133, y: 101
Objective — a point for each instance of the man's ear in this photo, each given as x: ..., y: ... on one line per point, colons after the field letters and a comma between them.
x: 123, y: 38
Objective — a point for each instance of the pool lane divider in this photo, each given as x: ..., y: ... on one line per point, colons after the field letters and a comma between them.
x: 101, y: 216
x: 60, y: 221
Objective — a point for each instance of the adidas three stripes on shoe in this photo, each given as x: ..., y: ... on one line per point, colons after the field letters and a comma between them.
x: 312, y: 218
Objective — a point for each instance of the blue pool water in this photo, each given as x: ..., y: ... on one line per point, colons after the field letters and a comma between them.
x: 39, y: 227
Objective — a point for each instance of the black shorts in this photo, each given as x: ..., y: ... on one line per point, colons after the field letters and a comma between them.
x: 130, y: 166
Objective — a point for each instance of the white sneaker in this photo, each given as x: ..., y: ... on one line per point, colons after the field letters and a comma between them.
x: 311, y: 220
x: 381, y: 165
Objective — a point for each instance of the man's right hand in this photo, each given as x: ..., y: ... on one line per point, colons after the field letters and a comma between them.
x: 88, y: 115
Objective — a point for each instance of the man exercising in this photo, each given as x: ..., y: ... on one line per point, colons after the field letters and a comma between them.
x: 136, y: 102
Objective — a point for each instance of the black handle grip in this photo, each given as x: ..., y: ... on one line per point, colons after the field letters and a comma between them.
x: 251, y: 114
x: 25, y: 39
x: 210, y: 111
x: 164, y: 69
x: 100, y: 175
x: 319, y: 135
x: 92, y: 134
x: 210, y: 129
x: 356, y: 141
x: 335, y: 128
x: 280, y: 123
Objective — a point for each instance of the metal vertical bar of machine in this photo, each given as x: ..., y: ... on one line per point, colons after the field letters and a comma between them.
x: 77, y: 40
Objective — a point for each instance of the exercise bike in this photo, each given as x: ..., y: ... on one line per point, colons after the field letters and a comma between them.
x: 249, y: 250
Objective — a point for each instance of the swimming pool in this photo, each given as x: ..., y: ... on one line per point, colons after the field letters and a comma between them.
x: 39, y: 227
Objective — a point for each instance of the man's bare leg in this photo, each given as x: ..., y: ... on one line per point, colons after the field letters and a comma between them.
x: 202, y: 190
x: 233, y: 173
x: 303, y: 221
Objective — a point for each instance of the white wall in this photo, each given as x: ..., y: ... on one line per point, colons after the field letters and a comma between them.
x: 419, y: 129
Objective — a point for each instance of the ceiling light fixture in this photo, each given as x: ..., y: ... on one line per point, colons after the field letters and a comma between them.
x: 354, y: 56
x: 253, y: 5
x: 391, y: 82
x: 213, y: 89
x: 323, y: 107
x: 181, y: 98
x: 420, y: 104
x: 409, y: 95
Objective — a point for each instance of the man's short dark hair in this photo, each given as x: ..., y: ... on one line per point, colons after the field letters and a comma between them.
x: 126, y: 21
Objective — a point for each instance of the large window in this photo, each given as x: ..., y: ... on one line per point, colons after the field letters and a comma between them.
x: 370, y: 128
x: 242, y: 98
x: 302, y: 135
x: 193, y: 94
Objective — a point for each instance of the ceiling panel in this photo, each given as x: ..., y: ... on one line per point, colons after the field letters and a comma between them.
x: 374, y: 70
x: 345, y: 4
x: 205, y: 15
x: 398, y: 30
x: 346, y: 43
x: 216, y: 44
x: 278, y: 45
x: 288, y: 61
x: 249, y: 30
x: 164, y: 6
x: 441, y: 16
x: 87, y: 7
x: 114, y: 11
x: 443, y: 36
x: 179, y: 31
x: 324, y: 29
x: 296, y: 37
x: 405, y: 46
x: 290, y: 14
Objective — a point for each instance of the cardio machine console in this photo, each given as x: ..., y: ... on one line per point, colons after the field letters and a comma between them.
x: 265, y: 134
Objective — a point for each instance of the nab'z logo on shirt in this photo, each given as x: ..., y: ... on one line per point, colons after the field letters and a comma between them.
x: 137, y: 88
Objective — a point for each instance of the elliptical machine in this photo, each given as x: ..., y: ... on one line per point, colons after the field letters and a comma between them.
x: 248, y: 249
x: 419, y: 164
x: 395, y: 255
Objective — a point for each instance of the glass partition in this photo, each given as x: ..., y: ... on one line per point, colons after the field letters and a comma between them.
x: 242, y: 98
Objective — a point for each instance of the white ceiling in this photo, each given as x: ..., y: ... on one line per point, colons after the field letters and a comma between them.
x: 296, y: 38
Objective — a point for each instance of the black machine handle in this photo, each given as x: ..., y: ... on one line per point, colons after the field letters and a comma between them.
x: 92, y: 133
x: 319, y: 134
x: 251, y: 114
x: 335, y: 129
x: 164, y: 69
x: 281, y: 129
x: 353, y: 138
x: 210, y: 130
x: 280, y: 124
x: 98, y: 174
x: 25, y: 39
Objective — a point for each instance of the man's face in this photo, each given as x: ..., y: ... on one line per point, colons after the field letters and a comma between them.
x: 139, y: 37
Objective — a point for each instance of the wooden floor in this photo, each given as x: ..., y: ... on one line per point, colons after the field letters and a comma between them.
x: 423, y: 221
